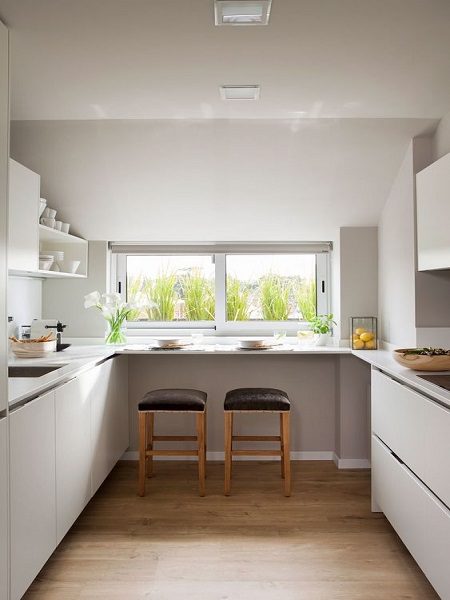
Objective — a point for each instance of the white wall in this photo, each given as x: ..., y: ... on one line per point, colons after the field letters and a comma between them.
x: 358, y: 275
x: 24, y: 302
x: 441, y: 138
x: 396, y: 259
x: 214, y: 180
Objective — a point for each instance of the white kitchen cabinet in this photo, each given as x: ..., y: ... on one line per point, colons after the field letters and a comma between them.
x: 73, y: 450
x: 410, y: 456
x: 109, y: 418
x: 433, y: 215
x: 23, y: 235
x: 3, y: 510
x: 32, y: 490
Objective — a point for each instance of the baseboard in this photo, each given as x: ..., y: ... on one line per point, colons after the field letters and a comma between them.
x: 219, y: 456
x: 351, y: 463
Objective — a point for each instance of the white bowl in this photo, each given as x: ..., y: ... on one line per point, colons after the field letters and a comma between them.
x: 253, y: 343
x: 168, y: 342
x: 68, y: 266
x: 30, y: 349
x: 44, y: 265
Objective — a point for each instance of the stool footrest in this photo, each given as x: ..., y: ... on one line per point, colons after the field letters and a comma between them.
x: 256, y: 438
x: 171, y: 452
x: 256, y: 453
x: 174, y: 438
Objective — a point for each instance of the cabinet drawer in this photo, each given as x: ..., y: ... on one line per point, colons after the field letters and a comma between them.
x: 419, y: 518
x: 399, y: 497
x: 416, y: 429
x: 397, y: 418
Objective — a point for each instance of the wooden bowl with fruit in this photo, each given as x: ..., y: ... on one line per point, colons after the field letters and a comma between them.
x: 423, y: 359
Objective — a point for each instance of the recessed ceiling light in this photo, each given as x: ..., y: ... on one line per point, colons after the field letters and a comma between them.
x: 242, y: 12
x: 239, y: 92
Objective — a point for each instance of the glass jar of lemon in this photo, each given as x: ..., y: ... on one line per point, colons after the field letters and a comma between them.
x: 363, y: 333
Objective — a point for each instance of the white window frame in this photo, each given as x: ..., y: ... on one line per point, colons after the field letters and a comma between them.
x: 221, y: 326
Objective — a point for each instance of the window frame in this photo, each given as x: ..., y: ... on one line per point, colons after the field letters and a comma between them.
x: 220, y: 326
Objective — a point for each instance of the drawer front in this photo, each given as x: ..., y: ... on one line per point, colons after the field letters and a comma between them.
x: 437, y: 545
x: 399, y: 497
x: 437, y: 450
x: 419, y: 518
x: 398, y: 416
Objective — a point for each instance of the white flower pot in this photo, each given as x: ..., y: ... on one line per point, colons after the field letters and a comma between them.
x: 322, y: 339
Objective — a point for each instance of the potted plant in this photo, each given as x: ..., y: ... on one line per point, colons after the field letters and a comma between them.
x: 321, y: 325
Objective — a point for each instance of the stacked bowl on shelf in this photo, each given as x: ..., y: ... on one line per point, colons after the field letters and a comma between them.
x: 45, y: 261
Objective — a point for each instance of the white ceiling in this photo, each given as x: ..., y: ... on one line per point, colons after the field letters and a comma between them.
x: 148, y: 59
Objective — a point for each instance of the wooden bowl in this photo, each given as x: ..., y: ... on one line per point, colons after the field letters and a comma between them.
x: 33, y: 349
x: 422, y: 362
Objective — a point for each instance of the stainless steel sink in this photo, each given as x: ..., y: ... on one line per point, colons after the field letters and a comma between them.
x: 31, y: 370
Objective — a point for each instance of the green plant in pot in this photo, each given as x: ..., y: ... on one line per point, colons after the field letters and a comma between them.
x: 322, y: 326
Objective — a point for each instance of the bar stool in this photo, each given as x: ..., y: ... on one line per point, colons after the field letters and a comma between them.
x: 171, y: 401
x: 258, y: 400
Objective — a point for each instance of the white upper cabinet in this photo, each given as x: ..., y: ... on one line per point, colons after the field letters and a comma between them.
x: 23, y: 235
x: 27, y: 238
x: 433, y: 216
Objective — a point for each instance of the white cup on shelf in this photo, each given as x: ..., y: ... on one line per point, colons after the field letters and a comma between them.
x: 58, y: 225
x: 65, y: 227
x: 48, y: 222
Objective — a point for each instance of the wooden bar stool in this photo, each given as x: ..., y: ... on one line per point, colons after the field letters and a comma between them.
x: 258, y: 400
x: 171, y: 401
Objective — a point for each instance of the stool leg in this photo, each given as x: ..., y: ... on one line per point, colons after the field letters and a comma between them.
x: 142, y: 457
x: 149, y: 461
x: 201, y: 451
x: 228, y: 448
x: 282, y: 445
x: 286, y: 458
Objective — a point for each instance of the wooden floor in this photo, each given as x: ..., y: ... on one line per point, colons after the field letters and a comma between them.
x: 323, y: 543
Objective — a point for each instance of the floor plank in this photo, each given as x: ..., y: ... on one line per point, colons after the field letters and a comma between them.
x: 322, y: 543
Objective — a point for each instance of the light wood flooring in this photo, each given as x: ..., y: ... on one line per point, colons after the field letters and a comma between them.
x: 322, y: 543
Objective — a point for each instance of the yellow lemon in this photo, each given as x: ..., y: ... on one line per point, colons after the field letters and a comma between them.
x: 370, y: 345
x: 355, y: 336
x: 360, y: 330
x: 358, y: 344
x: 366, y: 336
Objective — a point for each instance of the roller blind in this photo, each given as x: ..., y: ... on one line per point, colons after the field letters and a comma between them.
x: 222, y: 248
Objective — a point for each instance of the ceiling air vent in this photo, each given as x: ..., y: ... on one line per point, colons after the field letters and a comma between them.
x: 242, y: 12
x: 239, y: 92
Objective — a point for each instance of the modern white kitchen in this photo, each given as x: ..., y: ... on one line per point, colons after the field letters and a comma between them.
x: 125, y: 142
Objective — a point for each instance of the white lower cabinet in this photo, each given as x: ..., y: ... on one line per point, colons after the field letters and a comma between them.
x: 62, y: 446
x: 3, y: 510
x: 73, y: 450
x: 410, y: 457
x: 91, y: 435
x: 32, y: 490
x: 109, y: 418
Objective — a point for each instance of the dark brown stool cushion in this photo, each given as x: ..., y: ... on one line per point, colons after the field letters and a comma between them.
x: 257, y: 399
x: 173, y: 399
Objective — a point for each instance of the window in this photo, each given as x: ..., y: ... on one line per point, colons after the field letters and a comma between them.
x: 230, y: 288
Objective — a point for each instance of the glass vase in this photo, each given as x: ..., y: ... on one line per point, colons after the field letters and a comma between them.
x: 115, y: 334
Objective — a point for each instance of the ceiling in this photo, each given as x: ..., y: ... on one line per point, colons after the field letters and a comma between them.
x: 143, y: 59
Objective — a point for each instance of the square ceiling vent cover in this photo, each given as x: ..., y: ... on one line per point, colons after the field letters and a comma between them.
x: 242, y: 12
x: 239, y: 92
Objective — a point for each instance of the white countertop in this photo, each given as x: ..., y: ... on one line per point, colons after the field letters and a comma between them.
x: 77, y: 359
